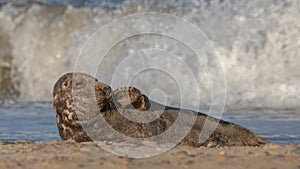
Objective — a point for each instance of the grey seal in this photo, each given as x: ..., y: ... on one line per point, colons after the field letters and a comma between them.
x: 111, y: 104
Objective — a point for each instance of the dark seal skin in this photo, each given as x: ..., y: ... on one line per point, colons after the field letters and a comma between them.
x: 93, y: 99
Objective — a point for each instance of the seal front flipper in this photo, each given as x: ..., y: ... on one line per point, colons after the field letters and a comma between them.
x: 131, y: 97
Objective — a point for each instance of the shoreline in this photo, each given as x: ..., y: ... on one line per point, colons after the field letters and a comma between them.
x: 67, y: 154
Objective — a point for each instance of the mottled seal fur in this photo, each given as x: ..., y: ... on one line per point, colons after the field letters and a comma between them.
x: 79, y: 89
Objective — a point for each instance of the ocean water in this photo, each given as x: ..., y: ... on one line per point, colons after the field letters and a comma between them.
x: 30, y: 121
x: 36, y: 122
x: 257, y: 43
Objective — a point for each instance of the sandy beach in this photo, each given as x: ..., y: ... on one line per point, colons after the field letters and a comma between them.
x: 67, y: 154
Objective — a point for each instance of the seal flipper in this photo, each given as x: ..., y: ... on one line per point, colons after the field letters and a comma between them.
x: 226, y: 134
x: 131, y: 97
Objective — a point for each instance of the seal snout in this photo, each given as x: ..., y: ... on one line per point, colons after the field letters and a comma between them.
x: 103, y: 91
x: 107, y: 90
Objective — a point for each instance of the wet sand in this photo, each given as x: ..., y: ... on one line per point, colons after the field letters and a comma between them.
x: 67, y: 154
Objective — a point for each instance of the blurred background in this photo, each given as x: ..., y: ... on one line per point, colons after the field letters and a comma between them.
x: 258, y: 42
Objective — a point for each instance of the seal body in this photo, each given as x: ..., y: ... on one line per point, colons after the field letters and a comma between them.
x: 80, y: 101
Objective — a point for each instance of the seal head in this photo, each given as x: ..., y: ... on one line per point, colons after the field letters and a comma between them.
x: 80, y: 93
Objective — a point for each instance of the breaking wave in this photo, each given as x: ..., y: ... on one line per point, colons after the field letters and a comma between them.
x: 258, y: 43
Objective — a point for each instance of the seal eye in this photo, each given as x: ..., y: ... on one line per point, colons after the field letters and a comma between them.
x: 78, y: 84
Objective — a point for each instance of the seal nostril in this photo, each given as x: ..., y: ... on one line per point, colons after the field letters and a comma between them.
x: 107, y: 90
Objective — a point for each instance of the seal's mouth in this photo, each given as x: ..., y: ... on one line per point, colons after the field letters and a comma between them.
x: 103, y: 94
